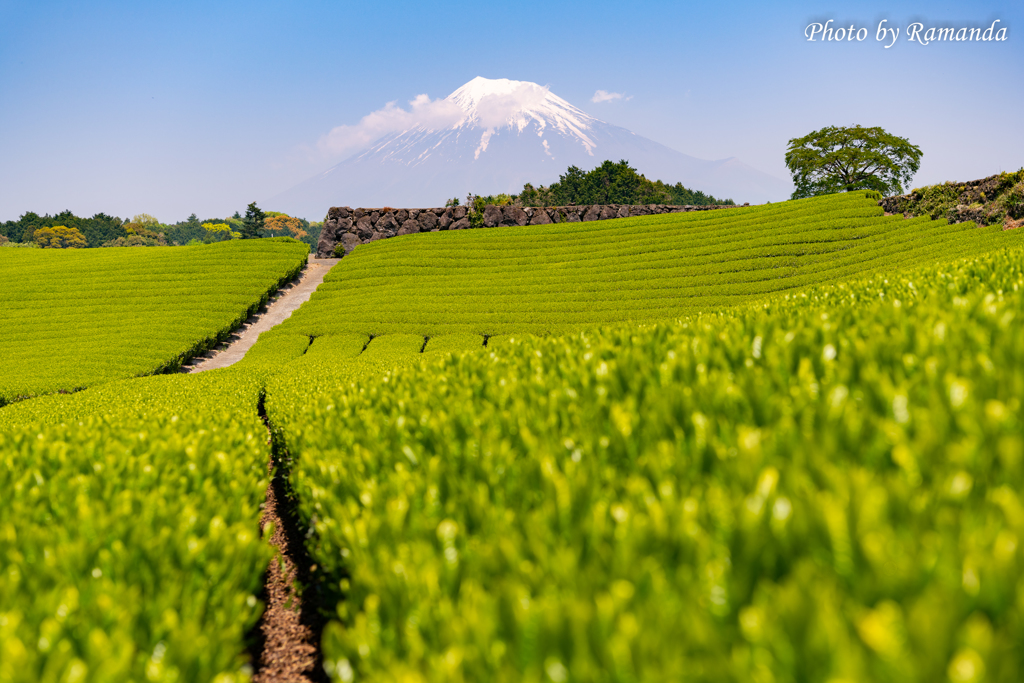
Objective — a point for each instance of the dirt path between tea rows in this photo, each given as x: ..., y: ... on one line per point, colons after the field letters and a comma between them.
x: 277, y: 310
x: 285, y: 645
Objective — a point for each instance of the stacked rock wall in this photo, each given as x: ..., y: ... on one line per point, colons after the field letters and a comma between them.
x: 351, y: 227
x: 967, y: 193
x: 987, y: 201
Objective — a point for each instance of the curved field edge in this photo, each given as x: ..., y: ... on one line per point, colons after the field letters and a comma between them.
x: 560, y: 279
x: 824, y: 485
x: 145, y: 327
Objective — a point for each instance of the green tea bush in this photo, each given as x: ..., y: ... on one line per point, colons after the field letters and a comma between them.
x: 76, y: 318
x: 129, y: 542
x: 781, y: 480
x: 128, y: 536
x: 560, y: 278
x: 821, y: 486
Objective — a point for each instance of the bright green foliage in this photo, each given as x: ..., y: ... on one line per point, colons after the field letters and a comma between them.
x: 807, y: 486
x: 611, y: 183
x: 129, y: 544
x: 836, y: 159
x: 128, y: 539
x: 75, y: 318
x: 59, y: 237
x: 217, y: 232
x: 558, y: 278
x: 825, y: 486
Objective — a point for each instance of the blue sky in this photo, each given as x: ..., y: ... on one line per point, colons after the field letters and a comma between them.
x: 173, y: 108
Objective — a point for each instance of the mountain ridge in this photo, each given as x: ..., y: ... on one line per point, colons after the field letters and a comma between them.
x: 494, y: 136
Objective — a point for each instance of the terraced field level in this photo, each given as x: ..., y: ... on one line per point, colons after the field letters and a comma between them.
x: 75, y: 318
x: 557, y: 278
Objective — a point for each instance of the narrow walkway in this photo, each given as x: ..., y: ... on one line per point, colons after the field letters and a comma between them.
x: 277, y: 310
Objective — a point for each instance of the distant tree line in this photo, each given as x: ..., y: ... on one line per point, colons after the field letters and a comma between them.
x: 66, y: 230
x: 95, y: 231
x: 609, y: 183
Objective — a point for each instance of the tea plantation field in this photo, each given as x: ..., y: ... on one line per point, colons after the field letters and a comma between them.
x: 781, y: 443
x: 127, y: 530
x: 826, y: 487
x: 78, y: 317
x: 559, y: 278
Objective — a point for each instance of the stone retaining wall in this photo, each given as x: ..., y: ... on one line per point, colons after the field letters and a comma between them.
x: 352, y: 227
x: 986, y: 201
x: 970, y: 192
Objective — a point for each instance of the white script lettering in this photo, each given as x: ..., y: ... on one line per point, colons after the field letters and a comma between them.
x: 882, y: 33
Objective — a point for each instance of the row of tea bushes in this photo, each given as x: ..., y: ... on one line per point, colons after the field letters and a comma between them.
x: 76, y: 318
x: 129, y: 539
x: 824, y: 486
x: 561, y: 278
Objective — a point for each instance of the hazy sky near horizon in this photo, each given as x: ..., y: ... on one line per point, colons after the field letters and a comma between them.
x: 173, y: 108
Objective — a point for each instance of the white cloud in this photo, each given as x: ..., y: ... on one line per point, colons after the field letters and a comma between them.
x: 431, y: 114
x: 494, y: 110
x: 605, y: 96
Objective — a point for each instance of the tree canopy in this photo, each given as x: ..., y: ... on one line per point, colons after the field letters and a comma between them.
x: 856, y: 158
x: 96, y: 230
x: 218, y: 232
x: 611, y: 183
x: 276, y: 221
x: 59, y: 237
x: 146, y: 230
x: 252, y: 223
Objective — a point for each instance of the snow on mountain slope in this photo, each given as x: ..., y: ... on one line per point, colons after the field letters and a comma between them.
x: 508, y: 133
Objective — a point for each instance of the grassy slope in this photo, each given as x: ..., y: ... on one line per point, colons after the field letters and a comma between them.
x: 550, y: 279
x: 822, y: 488
x: 75, y: 318
x: 651, y: 503
x: 632, y: 269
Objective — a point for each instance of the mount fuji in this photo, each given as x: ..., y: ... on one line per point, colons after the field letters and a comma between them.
x: 494, y: 135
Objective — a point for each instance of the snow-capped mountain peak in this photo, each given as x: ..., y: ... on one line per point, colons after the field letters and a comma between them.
x: 494, y: 135
x: 494, y: 103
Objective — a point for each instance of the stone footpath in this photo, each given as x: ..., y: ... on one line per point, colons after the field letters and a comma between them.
x: 280, y: 307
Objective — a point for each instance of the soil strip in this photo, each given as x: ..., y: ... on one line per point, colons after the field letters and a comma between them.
x: 286, y: 641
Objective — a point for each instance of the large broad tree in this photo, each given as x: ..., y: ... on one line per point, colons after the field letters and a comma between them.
x: 856, y: 158
x: 252, y: 223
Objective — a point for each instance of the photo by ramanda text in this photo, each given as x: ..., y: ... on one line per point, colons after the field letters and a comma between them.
x: 915, y: 33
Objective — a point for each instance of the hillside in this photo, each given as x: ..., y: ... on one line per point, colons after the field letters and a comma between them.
x: 556, y: 278
x: 74, y: 318
x: 823, y: 486
x: 815, y: 452
x: 731, y: 437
